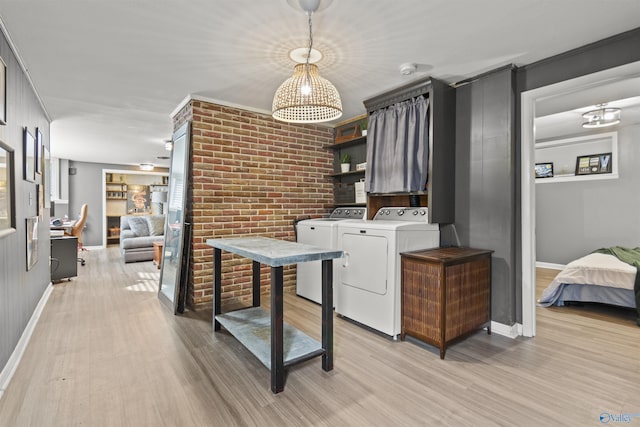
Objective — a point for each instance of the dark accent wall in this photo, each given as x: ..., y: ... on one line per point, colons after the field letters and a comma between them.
x: 20, y: 290
x: 487, y: 112
x: 602, y: 55
x: 485, y: 185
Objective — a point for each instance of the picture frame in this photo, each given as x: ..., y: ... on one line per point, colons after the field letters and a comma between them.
x: 46, y: 177
x: 544, y: 170
x: 32, y: 241
x: 138, y: 198
x: 593, y: 164
x: 29, y: 156
x: 3, y: 92
x: 7, y: 191
x: 40, y: 202
x: 38, y: 151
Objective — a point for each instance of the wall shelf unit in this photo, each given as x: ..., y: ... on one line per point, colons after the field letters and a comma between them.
x: 439, y: 192
x: 563, y: 153
x: 355, y: 145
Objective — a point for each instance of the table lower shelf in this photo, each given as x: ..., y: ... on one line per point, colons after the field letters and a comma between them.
x: 252, y: 327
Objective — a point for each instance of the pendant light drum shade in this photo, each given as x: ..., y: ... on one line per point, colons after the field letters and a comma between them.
x: 291, y: 104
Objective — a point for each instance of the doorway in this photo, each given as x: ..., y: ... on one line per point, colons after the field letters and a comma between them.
x: 117, y: 186
x: 529, y: 101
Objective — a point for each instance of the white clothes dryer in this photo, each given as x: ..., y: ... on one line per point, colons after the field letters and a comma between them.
x: 368, y: 286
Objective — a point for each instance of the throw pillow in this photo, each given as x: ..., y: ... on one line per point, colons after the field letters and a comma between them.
x: 139, y: 225
x: 156, y: 225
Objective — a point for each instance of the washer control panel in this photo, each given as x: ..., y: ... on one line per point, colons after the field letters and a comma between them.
x: 349, y: 213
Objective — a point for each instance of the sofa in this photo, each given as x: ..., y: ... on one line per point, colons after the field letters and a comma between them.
x: 138, y: 234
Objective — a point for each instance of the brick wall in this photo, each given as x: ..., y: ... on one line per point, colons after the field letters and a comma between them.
x: 250, y: 175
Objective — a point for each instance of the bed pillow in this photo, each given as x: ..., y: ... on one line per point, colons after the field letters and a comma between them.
x: 139, y: 226
x: 156, y: 225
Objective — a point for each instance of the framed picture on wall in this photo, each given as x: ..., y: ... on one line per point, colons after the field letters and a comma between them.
x: 3, y: 92
x: 138, y: 199
x: 7, y: 192
x: 40, y: 202
x: 46, y: 177
x: 38, y: 151
x: 544, y: 170
x: 32, y: 241
x: 593, y: 164
x: 29, y: 156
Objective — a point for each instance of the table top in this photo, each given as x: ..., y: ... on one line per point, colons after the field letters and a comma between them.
x: 63, y: 226
x: 447, y: 255
x: 274, y: 252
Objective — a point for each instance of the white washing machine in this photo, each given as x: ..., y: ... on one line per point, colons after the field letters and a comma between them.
x: 368, y: 289
x: 322, y: 232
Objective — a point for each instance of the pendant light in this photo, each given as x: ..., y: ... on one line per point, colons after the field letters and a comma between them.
x: 602, y: 117
x: 306, y: 97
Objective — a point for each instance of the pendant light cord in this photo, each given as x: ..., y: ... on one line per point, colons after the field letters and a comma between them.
x: 309, y: 13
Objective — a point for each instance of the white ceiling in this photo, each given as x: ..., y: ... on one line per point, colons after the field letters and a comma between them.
x: 110, y: 72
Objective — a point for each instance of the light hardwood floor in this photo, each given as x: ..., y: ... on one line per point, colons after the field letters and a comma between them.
x: 106, y: 353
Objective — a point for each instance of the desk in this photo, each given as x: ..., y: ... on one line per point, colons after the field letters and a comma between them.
x: 65, y: 226
x: 252, y: 326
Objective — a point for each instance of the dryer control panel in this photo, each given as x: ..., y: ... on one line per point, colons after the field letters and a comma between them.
x: 402, y: 214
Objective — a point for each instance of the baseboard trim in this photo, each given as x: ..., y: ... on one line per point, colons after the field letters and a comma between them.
x: 16, y: 356
x: 550, y: 265
x: 512, y: 331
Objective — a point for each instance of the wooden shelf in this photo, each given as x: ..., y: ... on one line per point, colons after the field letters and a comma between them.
x: 341, y: 174
x: 577, y: 178
x: 349, y: 143
x: 562, y: 153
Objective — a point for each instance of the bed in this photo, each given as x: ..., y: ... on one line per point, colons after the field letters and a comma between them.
x: 597, y: 277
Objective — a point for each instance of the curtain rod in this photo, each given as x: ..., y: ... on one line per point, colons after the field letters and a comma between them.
x: 399, y: 94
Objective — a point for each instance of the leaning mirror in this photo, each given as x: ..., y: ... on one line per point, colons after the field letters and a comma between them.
x: 174, y: 262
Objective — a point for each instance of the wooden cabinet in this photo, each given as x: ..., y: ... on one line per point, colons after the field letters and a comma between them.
x: 446, y: 294
x: 350, y: 141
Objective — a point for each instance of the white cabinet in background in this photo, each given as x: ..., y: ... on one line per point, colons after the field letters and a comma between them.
x: 563, y: 153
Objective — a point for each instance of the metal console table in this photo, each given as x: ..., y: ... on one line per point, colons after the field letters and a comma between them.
x: 276, y: 344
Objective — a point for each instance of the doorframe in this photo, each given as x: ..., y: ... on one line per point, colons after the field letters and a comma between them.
x: 105, y: 171
x: 528, y: 101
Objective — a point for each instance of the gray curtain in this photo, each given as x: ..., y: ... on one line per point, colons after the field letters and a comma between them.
x: 398, y: 147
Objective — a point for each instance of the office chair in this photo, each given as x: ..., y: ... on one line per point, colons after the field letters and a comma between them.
x: 76, y: 230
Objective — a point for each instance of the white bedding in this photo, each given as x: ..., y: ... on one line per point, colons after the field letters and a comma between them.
x: 593, y: 269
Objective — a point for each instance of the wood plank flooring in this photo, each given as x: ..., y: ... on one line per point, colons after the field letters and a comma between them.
x: 107, y: 353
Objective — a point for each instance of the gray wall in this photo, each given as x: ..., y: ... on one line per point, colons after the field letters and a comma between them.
x: 485, y: 171
x: 575, y: 218
x: 20, y: 290
x: 85, y: 186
